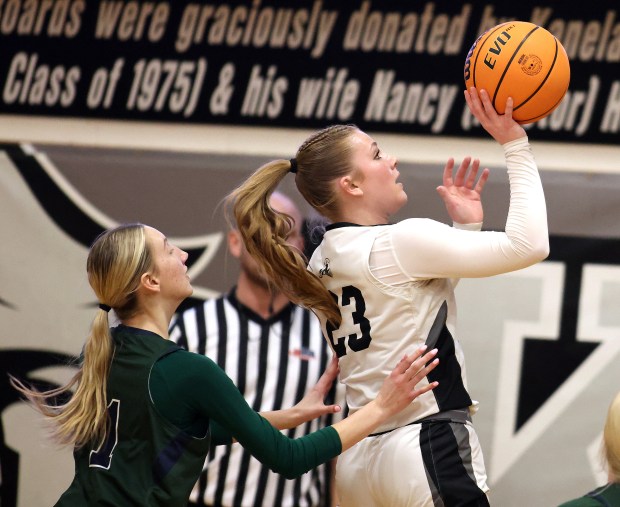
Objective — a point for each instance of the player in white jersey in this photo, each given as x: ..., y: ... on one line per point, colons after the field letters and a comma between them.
x: 381, y: 290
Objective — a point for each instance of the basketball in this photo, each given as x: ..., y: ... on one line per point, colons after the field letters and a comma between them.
x: 520, y: 60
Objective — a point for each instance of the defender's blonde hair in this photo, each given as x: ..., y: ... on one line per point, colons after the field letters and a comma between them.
x: 116, y: 261
x: 611, y: 439
x: 321, y: 160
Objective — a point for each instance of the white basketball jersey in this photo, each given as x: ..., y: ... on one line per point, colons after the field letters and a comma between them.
x: 381, y: 323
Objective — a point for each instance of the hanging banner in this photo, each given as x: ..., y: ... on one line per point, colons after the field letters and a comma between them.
x: 387, y: 66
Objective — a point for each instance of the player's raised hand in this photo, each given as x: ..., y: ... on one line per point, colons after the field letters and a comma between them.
x: 502, y: 127
x: 461, y: 191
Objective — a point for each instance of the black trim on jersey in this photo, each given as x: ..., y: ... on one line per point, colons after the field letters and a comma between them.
x: 599, y: 494
x: 457, y: 416
x: 450, y: 393
x: 444, y: 465
x: 339, y: 225
x: 169, y: 456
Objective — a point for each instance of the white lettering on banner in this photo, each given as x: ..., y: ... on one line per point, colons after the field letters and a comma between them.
x: 422, y: 103
x: 38, y: 17
x: 34, y: 83
x: 589, y: 40
x: 540, y: 15
x: 611, y: 117
x: 489, y: 19
x: 584, y: 40
x: 264, y: 95
x: 335, y: 96
x: 132, y: 20
x: 253, y: 37
x: 103, y: 85
x: 406, y: 32
x: 256, y: 26
x: 575, y: 111
x: 574, y: 114
x: 594, y: 85
x: 223, y: 93
x: 171, y: 84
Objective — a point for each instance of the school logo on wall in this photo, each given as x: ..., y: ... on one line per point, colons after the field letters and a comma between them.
x: 545, y: 365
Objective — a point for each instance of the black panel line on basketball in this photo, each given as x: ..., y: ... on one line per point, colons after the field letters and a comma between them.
x: 474, y: 66
x: 507, y: 66
x: 542, y: 115
x: 555, y: 58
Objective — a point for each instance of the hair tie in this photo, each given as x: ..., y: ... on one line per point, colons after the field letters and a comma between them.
x: 104, y: 307
x: 293, y: 168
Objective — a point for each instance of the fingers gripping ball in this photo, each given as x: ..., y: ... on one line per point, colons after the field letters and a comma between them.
x: 520, y: 60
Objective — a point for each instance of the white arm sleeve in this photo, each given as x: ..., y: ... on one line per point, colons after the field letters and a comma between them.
x: 424, y: 248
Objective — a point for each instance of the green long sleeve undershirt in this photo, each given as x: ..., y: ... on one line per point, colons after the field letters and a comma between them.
x: 193, y: 393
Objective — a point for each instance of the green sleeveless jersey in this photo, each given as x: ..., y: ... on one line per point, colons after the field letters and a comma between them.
x: 159, y: 396
x: 145, y: 460
x: 604, y: 496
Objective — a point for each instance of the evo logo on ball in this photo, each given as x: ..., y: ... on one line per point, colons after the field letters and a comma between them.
x: 496, y: 49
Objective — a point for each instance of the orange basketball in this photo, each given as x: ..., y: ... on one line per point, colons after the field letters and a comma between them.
x: 520, y: 60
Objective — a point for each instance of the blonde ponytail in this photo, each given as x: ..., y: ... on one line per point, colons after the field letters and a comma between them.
x: 83, y: 417
x: 611, y: 439
x: 265, y: 231
x: 116, y: 261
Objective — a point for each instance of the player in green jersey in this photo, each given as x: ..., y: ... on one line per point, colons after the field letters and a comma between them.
x: 141, y: 412
x: 607, y: 495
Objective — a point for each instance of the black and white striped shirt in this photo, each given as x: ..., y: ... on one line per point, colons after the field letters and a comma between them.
x: 273, y: 362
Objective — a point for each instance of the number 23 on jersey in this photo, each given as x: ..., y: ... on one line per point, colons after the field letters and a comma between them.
x: 351, y: 296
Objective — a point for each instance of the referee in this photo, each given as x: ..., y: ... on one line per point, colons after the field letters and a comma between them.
x: 274, y: 352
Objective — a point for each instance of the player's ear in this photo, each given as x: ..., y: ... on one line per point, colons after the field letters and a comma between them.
x: 149, y: 282
x: 235, y: 243
x: 350, y: 186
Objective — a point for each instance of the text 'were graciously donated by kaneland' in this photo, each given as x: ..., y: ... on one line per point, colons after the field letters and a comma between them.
x: 259, y: 61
